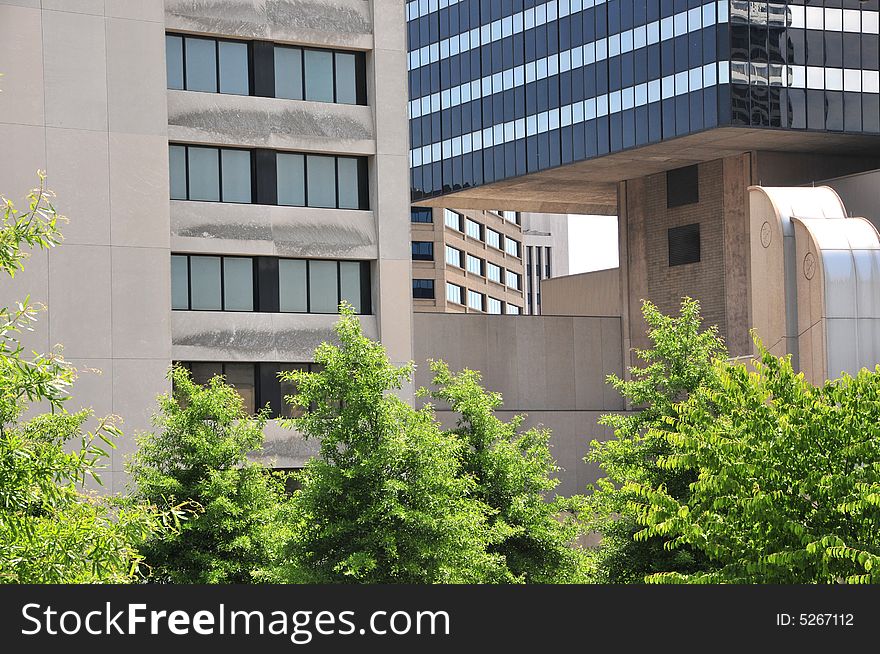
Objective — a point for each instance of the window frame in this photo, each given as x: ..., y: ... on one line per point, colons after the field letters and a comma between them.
x: 222, y: 257
x: 216, y: 40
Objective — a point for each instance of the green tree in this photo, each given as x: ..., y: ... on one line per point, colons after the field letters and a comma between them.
x: 680, y: 361
x: 385, y: 501
x: 51, y: 529
x: 787, y: 484
x: 198, y: 455
x: 513, y: 471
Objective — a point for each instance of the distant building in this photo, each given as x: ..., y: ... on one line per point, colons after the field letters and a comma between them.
x: 545, y: 237
x: 467, y: 261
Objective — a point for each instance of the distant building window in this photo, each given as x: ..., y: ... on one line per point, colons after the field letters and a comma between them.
x: 475, y: 265
x: 475, y: 300
x: 421, y: 215
x: 453, y: 257
x: 493, y: 272
x: 452, y: 219
x: 511, y: 246
x: 684, y: 244
x: 423, y: 250
x: 513, y: 310
x: 474, y: 229
x: 511, y: 216
x: 513, y: 280
x: 493, y: 238
x: 493, y: 305
x: 453, y: 293
x: 423, y: 289
x: 682, y: 186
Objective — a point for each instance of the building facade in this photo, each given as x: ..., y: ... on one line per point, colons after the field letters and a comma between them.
x: 467, y: 261
x: 228, y: 181
x: 545, y: 236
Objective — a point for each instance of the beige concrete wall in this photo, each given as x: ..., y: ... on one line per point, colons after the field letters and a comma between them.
x: 594, y: 293
x: 84, y: 98
x: 552, y: 369
x: 860, y: 194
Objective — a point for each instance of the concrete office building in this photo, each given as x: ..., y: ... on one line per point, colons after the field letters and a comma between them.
x: 228, y: 179
x: 467, y: 261
x: 545, y: 238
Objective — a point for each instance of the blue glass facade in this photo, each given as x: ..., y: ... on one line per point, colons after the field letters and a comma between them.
x: 502, y: 88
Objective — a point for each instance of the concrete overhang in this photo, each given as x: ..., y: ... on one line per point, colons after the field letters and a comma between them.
x: 590, y: 186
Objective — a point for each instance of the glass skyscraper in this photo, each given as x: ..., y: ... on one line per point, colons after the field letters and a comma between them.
x: 503, y: 88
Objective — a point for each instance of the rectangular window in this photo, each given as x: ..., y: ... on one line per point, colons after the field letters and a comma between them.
x: 321, y: 181
x: 511, y: 246
x: 268, y: 284
x: 293, y: 294
x: 177, y: 169
x: 474, y: 265
x: 493, y: 238
x: 682, y: 186
x: 513, y: 310
x: 474, y: 229
x: 291, y: 179
x: 452, y: 219
x: 493, y: 272
x: 453, y: 257
x: 319, y: 75
x: 475, y: 300
x: 236, y: 169
x: 684, y: 244
x: 210, y: 174
x: 493, y: 305
x: 453, y: 293
x: 421, y: 215
x: 423, y: 250
x: 423, y: 289
x: 513, y: 280
x: 348, y: 182
x: 211, y: 65
x: 511, y: 216
x: 203, y: 172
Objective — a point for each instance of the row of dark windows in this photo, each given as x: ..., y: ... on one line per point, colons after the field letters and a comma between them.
x: 268, y: 177
x: 268, y: 284
x: 257, y: 384
x: 676, y: 116
x: 592, y: 23
x: 261, y: 68
x: 664, y: 58
x: 804, y: 47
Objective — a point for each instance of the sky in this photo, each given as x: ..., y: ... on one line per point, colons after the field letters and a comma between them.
x: 592, y: 243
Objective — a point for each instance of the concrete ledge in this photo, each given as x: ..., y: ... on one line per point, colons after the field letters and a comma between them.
x: 245, y: 336
x: 241, y: 120
x: 336, y: 23
x: 285, y: 448
x: 253, y: 229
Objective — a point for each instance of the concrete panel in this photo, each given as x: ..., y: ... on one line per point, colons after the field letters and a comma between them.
x: 79, y: 300
x: 280, y: 231
x: 32, y: 281
x: 560, y: 382
x: 504, y: 367
x: 93, y: 388
x: 75, y: 72
x: 79, y: 168
x: 394, y: 310
x: 388, y: 16
x: 141, y: 315
x: 21, y: 54
x: 587, y: 294
x: 136, y: 76
x: 221, y: 119
x: 91, y: 7
x: 736, y: 179
x: 151, y: 10
x: 533, y: 370
x: 24, y: 152
x: 33, y: 4
x: 136, y: 385
x: 590, y: 372
x: 139, y: 190
x: 233, y: 336
x: 343, y: 23
x: 612, y: 362
x: 391, y: 175
x: 390, y: 81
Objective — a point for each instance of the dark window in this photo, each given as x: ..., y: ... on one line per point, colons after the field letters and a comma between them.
x: 421, y: 215
x: 283, y: 178
x: 423, y: 250
x: 268, y: 284
x: 684, y: 244
x: 682, y: 186
x: 211, y: 65
x: 423, y: 289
